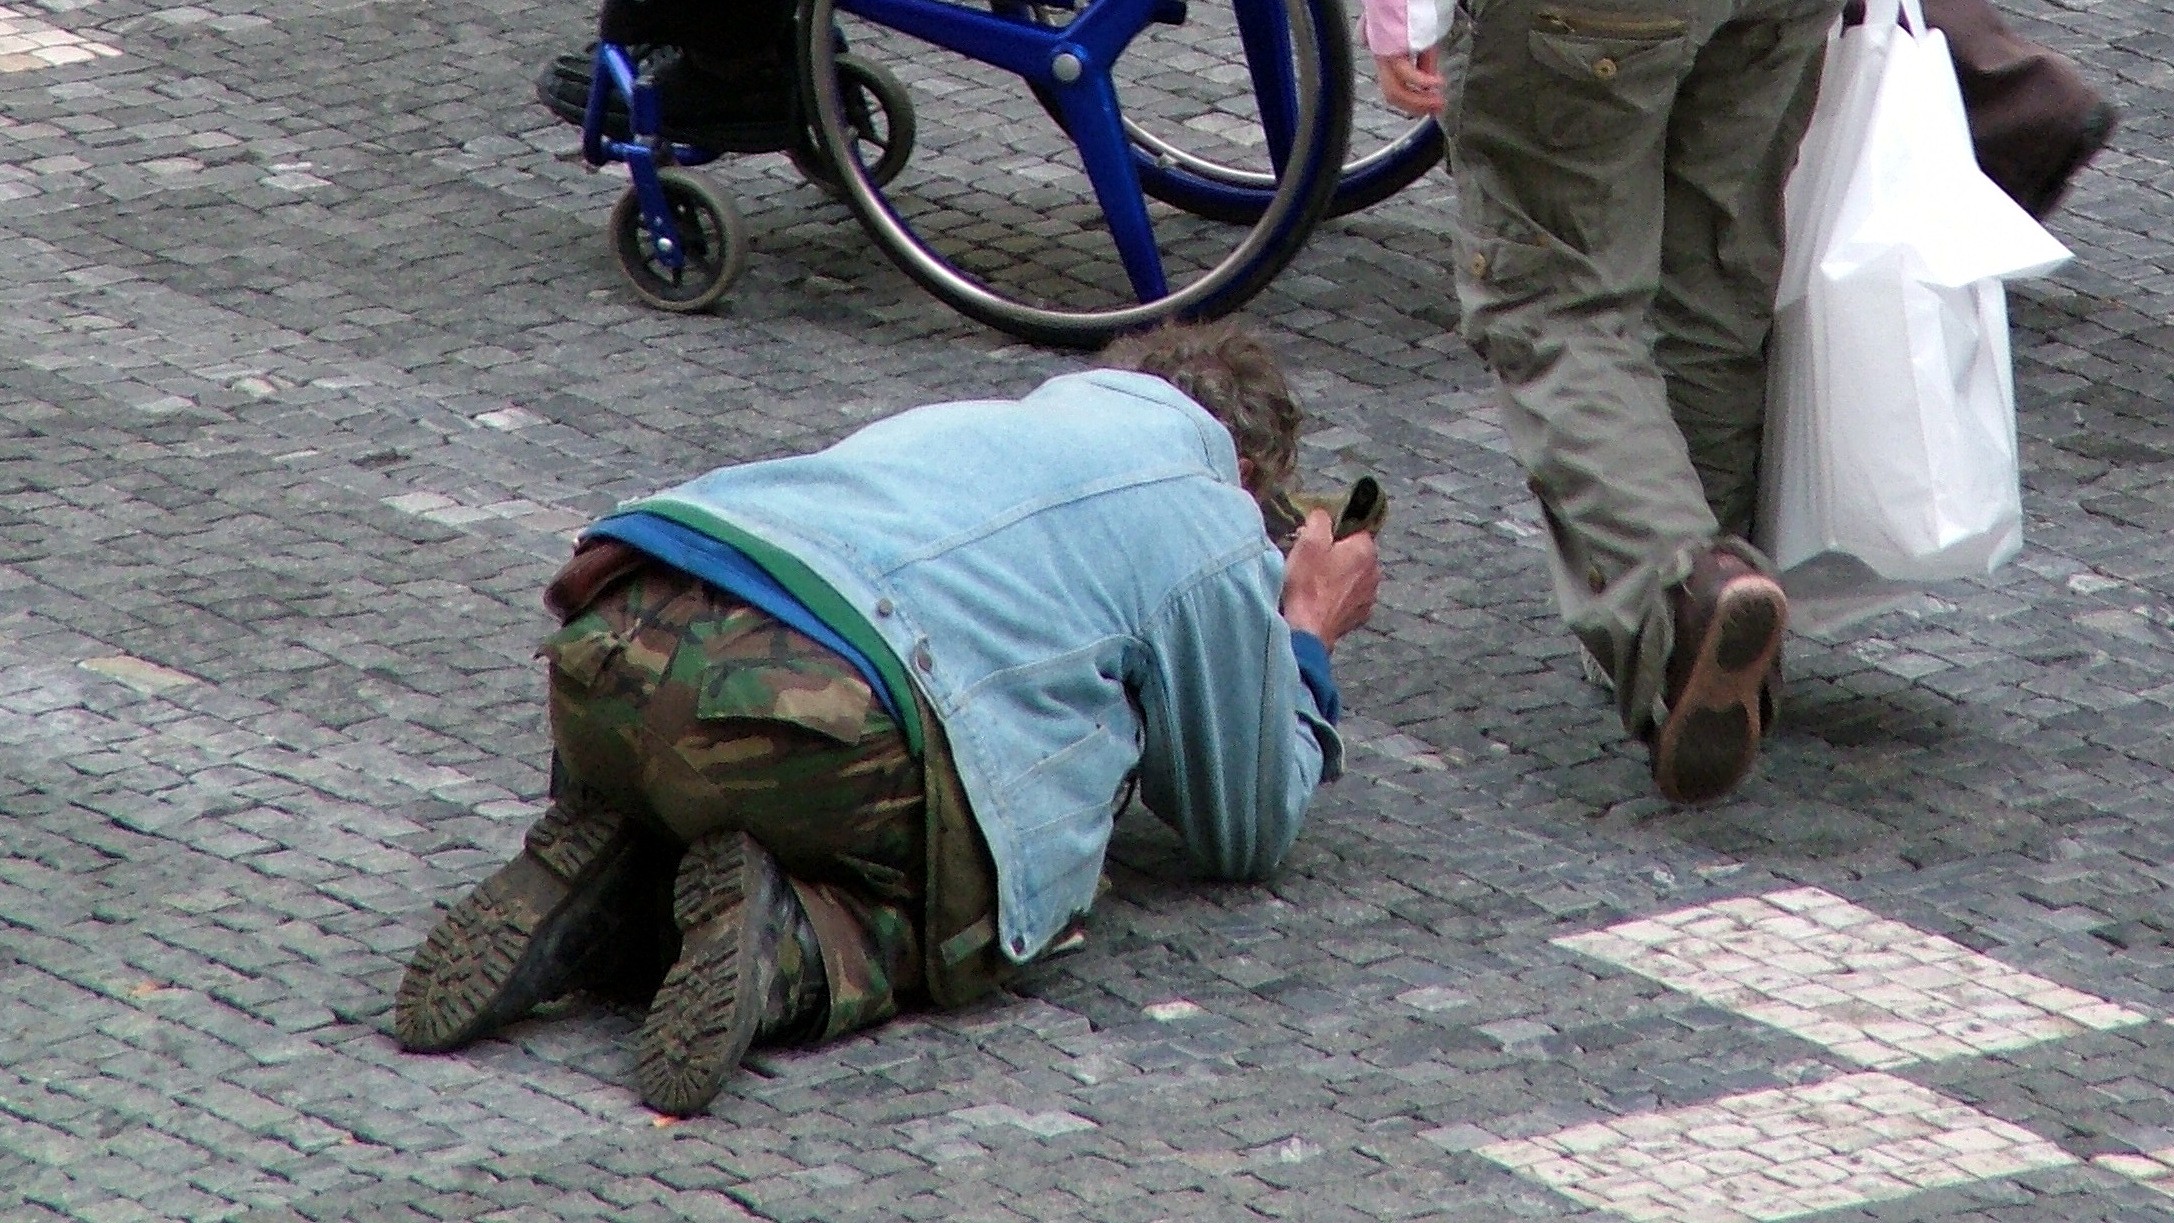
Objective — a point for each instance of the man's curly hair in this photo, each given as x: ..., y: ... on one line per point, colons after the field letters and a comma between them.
x: 1227, y: 370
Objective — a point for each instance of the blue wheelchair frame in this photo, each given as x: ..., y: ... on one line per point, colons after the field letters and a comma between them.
x: 645, y: 153
x: 1301, y: 94
x: 1069, y: 66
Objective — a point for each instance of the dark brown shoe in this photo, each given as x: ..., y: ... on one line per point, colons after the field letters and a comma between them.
x: 2091, y: 136
x: 1729, y: 624
x: 549, y: 921
x: 728, y: 901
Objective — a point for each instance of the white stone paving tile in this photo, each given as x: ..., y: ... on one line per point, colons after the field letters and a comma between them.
x: 27, y: 43
x: 1878, y: 992
x: 2154, y: 1171
x: 1775, y: 1154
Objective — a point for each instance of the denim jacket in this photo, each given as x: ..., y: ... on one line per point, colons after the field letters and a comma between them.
x: 1084, y: 595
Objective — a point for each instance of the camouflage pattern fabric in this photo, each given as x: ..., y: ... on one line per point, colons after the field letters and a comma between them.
x: 871, y: 954
x: 684, y: 707
x: 963, y: 961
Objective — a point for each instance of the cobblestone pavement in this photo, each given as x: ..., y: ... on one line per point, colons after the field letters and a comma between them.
x: 311, y: 356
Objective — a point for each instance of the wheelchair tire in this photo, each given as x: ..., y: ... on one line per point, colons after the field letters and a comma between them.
x: 1374, y: 168
x: 1230, y: 193
x: 711, y: 234
x: 880, y: 110
x: 1320, y: 75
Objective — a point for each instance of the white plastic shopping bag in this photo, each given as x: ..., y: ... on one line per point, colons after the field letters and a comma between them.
x: 1890, y: 438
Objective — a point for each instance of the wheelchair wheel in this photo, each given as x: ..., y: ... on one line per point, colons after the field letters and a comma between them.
x: 1386, y: 153
x: 711, y: 241
x: 1046, y: 231
x: 879, y: 112
x: 1224, y: 192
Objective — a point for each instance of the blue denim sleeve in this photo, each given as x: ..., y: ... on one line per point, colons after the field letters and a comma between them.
x: 1236, y: 742
x: 1313, y: 668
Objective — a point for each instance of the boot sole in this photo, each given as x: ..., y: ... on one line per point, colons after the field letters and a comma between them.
x: 1711, y: 736
x: 497, y: 954
x: 705, y: 1013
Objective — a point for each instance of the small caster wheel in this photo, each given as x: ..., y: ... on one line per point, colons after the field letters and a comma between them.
x: 880, y: 112
x: 712, y: 238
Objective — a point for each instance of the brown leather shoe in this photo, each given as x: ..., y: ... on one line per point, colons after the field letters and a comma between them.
x: 1729, y: 624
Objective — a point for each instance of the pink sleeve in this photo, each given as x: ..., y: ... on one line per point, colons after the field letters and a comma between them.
x: 1401, y: 27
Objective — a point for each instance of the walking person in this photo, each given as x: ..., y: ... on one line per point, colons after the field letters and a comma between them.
x: 1619, y: 168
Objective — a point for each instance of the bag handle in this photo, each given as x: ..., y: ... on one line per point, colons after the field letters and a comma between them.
x: 1888, y: 14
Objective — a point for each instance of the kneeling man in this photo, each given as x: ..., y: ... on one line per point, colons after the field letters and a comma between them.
x: 847, y: 731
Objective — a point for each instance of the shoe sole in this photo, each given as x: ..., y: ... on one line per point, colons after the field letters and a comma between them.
x: 499, y: 953
x: 1711, y: 735
x: 704, y: 1016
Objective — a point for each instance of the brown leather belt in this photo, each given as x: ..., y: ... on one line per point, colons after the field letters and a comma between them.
x: 596, y: 564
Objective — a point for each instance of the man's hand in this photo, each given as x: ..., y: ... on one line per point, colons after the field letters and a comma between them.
x: 1411, y: 83
x: 1329, y: 584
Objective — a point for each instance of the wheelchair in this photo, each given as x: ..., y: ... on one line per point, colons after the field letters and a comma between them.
x: 677, y: 236
x: 1046, y: 208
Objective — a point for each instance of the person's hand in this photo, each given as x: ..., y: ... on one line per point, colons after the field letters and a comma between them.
x: 1411, y: 83
x: 1329, y: 584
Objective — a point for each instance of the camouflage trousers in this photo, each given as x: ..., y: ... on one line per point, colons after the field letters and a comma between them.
x: 684, y: 707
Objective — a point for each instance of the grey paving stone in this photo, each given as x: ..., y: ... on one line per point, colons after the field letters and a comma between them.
x: 219, y: 381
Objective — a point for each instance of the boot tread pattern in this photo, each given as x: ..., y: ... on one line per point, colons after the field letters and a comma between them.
x: 568, y: 841
x: 504, y: 947
x: 1710, y: 738
x: 446, y: 997
x: 703, y: 1018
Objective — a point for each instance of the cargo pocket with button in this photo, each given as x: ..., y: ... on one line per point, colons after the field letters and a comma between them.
x: 839, y: 707
x: 1610, y: 69
x: 1497, y: 278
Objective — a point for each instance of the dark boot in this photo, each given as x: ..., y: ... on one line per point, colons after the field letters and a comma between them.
x: 2034, y: 119
x: 724, y: 74
x: 631, y: 978
x: 726, y: 106
x: 555, y: 918
x: 1729, y: 624
x: 747, y: 967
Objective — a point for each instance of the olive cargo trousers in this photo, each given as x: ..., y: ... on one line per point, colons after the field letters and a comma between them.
x: 1619, y: 166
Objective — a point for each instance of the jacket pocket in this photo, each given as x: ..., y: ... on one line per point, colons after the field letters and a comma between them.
x: 1611, y: 75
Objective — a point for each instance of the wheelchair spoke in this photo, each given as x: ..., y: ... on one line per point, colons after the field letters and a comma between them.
x: 1091, y: 116
x: 1264, y: 29
x: 1027, y: 248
